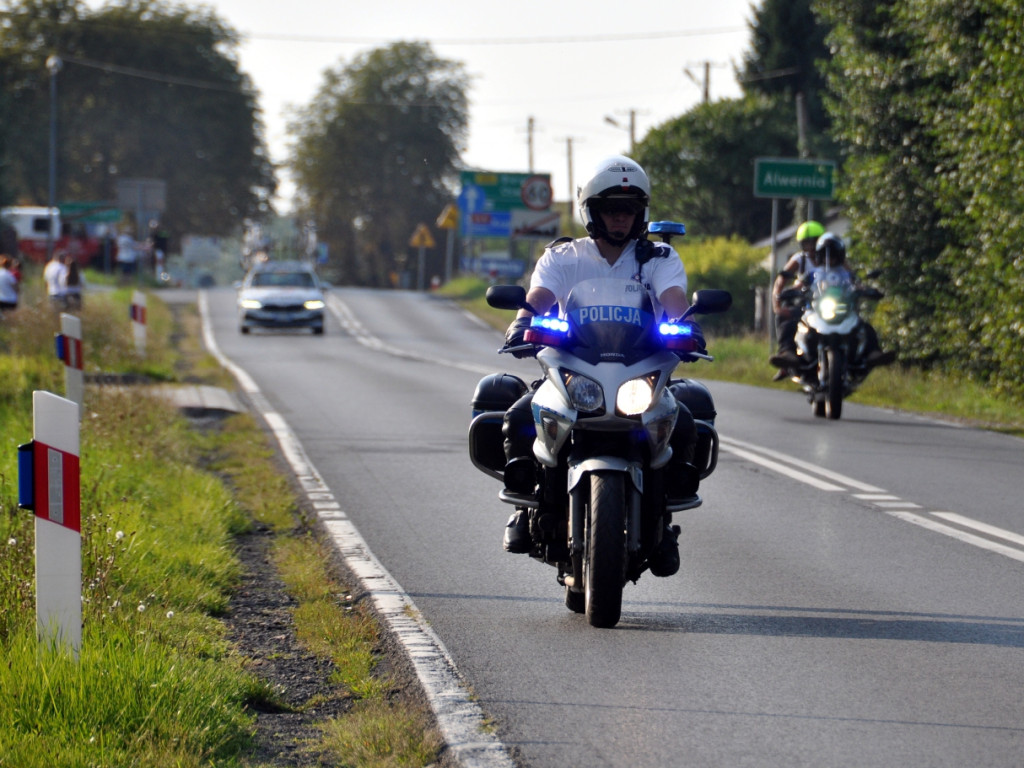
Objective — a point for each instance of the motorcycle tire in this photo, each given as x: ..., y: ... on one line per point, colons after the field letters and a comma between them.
x: 604, y: 564
x: 836, y: 368
x: 575, y: 601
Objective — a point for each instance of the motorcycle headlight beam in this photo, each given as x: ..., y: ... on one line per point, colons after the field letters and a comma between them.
x: 634, y: 397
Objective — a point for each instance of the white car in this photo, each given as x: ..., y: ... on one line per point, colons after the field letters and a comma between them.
x: 281, y: 294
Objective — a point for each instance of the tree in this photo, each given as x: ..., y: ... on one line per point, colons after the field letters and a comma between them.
x: 376, y: 154
x: 702, y: 164
x: 787, y: 42
x: 148, y: 90
x: 924, y: 95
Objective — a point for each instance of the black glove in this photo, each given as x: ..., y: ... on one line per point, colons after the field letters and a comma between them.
x: 514, y: 337
x: 698, y: 344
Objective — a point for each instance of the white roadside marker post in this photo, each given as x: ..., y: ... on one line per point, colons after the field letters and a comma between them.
x: 69, y: 349
x: 139, y: 321
x: 49, y: 484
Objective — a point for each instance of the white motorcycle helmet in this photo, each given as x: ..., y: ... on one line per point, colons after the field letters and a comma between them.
x: 616, y: 180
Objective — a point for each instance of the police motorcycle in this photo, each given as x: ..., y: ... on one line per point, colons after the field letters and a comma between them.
x: 603, y: 415
x: 831, y: 337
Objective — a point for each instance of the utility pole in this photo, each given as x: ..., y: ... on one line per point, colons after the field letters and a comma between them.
x: 53, y: 66
x: 631, y: 128
x: 705, y: 83
x: 529, y: 140
x: 801, y: 141
x: 572, y: 188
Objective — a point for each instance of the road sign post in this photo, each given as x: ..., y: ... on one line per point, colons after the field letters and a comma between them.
x: 448, y: 220
x: 785, y: 178
x: 69, y: 350
x: 52, y: 489
x: 138, y: 313
x: 421, y: 239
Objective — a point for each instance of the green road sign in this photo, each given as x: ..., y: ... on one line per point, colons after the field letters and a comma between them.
x: 91, y: 212
x: 780, y: 177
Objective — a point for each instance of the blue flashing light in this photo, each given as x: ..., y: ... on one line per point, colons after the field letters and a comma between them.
x: 545, y: 323
x: 548, y: 331
x: 675, y: 329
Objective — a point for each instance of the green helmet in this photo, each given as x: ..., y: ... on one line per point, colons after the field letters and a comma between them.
x: 808, y: 230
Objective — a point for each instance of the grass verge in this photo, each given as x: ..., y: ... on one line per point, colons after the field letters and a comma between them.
x: 158, y: 680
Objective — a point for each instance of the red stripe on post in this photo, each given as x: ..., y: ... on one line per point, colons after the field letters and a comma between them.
x: 57, y: 486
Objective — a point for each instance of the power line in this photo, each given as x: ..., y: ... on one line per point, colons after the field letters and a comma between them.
x: 477, y: 41
x: 155, y: 76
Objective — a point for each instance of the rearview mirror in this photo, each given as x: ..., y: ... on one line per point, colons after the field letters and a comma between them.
x: 506, y: 296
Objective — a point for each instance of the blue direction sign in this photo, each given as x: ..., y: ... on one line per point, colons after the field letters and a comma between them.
x: 487, y: 200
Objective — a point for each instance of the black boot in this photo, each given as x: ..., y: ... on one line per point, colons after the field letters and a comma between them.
x: 664, y: 560
x: 681, y: 481
x: 517, y: 538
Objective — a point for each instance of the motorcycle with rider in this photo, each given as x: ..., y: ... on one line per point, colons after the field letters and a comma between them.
x: 834, y: 348
x: 598, y: 454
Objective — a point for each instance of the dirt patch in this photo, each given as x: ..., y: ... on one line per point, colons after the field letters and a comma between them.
x: 260, y: 625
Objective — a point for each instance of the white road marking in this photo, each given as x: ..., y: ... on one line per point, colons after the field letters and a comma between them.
x: 934, y: 525
x: 849, y: 482
x: 359, y: 332
x: 460, y: 720
x: 938, y: 522
x: 991, y: 530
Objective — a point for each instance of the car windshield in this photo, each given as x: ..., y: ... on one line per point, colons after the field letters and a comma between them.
x: 282, y: 280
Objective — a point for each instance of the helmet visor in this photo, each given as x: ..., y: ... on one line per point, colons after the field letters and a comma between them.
x: 613, y: 206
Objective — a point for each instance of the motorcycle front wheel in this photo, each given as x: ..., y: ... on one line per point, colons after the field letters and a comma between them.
x: 604, y: 564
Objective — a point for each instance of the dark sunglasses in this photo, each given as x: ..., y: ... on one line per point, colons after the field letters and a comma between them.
x: 616, y: 207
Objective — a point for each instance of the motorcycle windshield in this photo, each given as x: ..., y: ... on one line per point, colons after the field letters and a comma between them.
x: 833, y: 295
x: 834, y: 281
x: 610, y: 319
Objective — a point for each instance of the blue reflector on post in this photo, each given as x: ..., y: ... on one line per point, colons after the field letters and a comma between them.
x: 26, y: 476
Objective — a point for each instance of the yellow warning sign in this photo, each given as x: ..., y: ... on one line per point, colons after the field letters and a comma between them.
x: 449, y: 218
x: 422, y: 238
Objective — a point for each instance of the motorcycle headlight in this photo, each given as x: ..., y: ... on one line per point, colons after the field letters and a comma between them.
x: 584, y: 393
x: 635, y: 396
x: 832, y: 309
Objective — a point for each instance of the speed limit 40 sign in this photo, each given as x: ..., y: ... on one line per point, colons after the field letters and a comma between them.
x: 536, y: 193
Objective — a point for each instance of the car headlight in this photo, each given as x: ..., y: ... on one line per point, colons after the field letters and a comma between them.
x: 634, y: 396
x: 314, y: 304
x: 250, y: 304
x: 584, y: 393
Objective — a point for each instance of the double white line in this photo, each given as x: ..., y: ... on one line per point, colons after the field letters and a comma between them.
x: 950, y: 524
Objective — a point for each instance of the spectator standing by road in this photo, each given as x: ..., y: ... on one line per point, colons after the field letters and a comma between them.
x: 127, y: 253
x: 8, y: 285
x: 74, y: 283
x: 54, y: 277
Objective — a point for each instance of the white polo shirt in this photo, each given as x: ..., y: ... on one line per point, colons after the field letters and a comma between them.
x: 565, y: 265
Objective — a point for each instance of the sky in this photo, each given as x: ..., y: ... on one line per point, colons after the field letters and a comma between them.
x: 568, y: 64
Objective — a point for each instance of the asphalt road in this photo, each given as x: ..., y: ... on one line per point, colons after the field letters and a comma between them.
x: 850, y: 593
